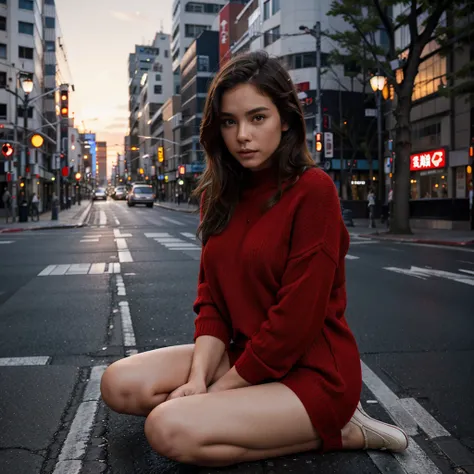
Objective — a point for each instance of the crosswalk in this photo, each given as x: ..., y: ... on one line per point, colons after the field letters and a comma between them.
x: 80, y: 269
x: 173, y: 243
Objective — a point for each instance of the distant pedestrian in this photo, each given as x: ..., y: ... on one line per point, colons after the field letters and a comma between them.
x: 35, y: 206
x: 7, y: 203
x: 275, y: 369
x: 371, y: 206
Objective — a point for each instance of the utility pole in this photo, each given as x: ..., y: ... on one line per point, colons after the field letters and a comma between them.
x: 25, y: 164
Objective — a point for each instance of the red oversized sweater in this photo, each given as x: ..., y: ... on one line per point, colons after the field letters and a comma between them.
x: 272, y: 284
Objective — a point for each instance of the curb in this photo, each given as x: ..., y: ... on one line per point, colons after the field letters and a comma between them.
x: 169, y: 208
x: 446, y: 243
x: 81, y: 223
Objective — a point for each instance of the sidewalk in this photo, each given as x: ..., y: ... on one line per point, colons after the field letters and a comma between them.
x: 453, y: 238
x: 74, y: 217
x: 184, y: 207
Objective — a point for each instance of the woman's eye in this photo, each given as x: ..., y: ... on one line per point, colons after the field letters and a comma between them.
x: 259, y: 118
x: 228, y: 122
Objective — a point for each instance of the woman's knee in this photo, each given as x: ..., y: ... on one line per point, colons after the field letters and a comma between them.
x: 123, y: 391
x: 169, y: 434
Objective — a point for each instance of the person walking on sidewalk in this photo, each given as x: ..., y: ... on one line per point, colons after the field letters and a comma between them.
x: 274, y: 369
x: 371, y: 206
x: 35, y: 207
x: 7, y: 204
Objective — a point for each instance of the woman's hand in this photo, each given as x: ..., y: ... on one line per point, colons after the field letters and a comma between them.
x: 228, y: 381
x: 192, y: 387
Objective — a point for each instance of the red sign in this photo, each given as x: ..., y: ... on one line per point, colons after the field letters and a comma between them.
x: 224, y: 39
x: 428, y: 160
x: 65, y: 171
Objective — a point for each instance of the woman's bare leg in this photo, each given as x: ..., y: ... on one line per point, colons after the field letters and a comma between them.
x: 137, y: 384
x: 247, y: 424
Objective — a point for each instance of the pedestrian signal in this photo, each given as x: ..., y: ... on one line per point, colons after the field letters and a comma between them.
x: 7, y: 150
x: 319, y: 142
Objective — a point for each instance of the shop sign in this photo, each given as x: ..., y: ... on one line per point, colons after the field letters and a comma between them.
x: 429, y: 160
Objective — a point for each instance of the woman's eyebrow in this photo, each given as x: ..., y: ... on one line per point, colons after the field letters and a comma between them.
x: 250, y: 112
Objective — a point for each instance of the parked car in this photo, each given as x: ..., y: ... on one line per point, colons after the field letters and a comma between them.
x: 120, y: 193
x: 100, y: 193
x: 141, y: 194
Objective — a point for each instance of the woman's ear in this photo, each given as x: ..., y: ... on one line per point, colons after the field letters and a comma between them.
x: 284, y: 127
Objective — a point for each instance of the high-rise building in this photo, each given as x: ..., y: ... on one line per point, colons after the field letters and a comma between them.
x: 101, y: 164
x: 30, y: 45
x: 152, y: 58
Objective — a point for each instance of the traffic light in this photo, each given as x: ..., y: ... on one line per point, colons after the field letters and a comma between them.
x: 64, y: 104
x: 161, y: 156
x: 182, y: 170
x: 319, y: 142
x: 7, y: 150
x: 37, y: 140
x: 78, y: 176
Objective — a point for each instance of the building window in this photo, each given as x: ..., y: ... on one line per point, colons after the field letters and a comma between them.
x: 167, y: 53
x: 50, y: 69
x: 203, y: 64
x: 3, y: 111
x: 266, y: 10
x: 198, y: 7
x: 3, y: 23
x: 49, y: 22
x: 3, y: 51
x: 303, y: 60
x: 26, y: 28
x: 25, y: 53
x: 4, y: 2
x: 275, y: 6
x: 49, y: 2
x: 158, y: 77
x: 50, y: 46
x: 26, y: 4
x: 158, y: 89
x: 3, y: 80
x: 271, y: 36
x: 193, y: 31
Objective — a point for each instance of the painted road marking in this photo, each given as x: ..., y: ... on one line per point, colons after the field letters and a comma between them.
x: 351, y: 257
x: 88, y: 241
x: 125, y: 256
x: 103, y: 218
x: 75, y: 445
x: 5, y: 242
x: 80, y: 269
x: 157, y: 235
x: 127, y: 326
x: 118, y: 234
x: 188, y: 235
x: 426, y: 273
x: 23, y: 361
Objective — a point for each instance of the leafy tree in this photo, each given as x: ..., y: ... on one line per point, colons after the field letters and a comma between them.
x: 360, y: 45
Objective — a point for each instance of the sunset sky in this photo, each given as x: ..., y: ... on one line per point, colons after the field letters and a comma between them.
x: 98, y: 36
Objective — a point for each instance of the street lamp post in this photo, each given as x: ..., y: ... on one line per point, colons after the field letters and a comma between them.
x: 377, y: 83
x: 27, y: 86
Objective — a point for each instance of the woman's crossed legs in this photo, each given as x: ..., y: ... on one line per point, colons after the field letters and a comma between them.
x: 213, y: 429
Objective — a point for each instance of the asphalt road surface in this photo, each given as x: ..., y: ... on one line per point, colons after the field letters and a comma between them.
x: 73, y: 301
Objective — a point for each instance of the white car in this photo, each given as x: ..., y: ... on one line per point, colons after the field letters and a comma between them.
x: 141, y: 194
x: 100, y: 193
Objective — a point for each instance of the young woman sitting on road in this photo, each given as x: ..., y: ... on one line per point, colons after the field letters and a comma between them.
x: 275, y: 369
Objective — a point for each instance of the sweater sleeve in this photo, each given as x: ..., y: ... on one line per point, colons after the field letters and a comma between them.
x: 301, y: 306
x: 209, y: 321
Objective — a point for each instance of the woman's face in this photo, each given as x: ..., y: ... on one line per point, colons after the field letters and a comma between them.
x: 251, y: 126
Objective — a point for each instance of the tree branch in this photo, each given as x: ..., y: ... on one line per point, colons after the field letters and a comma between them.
x: 388, y: 26
x: 412, y: 22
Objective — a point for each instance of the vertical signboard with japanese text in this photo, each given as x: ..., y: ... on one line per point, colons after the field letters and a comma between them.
x: 224, y: 35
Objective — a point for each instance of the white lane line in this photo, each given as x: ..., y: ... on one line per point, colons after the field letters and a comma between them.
x: 117, y: 222
x: 389, y: 400
x: 120, y: 286
x: 117, y: 234
x: 47, y: 271
x: 74, y: 447
x: 364, y: 242
x: 466, y: 261
x: 426, y: 422
x: 91, y: 236
x: 121, y: 244
x: 172, y: 221
x: 168, y: 240
x: 188, y: 235
x: 97, y: 269
x: 415, y: 461
x: 352, y: 257
x: 84, y: 241
x: 60, y: 270
x: 23, y: 361
x: 4, y: 242
x: 79, y: 269
x: 180, y: 245
x: 157, y: 235
x: 103, y: 218
x: 114, y: 267
x: 125, y: 256
x: 469, y: 272
x: 186, y: 248
x: 127, y: 326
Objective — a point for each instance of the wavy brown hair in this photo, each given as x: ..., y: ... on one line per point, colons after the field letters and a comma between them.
x: 224, y: 177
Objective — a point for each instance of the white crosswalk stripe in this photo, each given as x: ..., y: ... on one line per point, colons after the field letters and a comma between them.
x: 6, y: 242
x: 351, y: 257
x: 188, y: 235
x: 172, y: 221
x: 80, y: 269
x: 172, y: 243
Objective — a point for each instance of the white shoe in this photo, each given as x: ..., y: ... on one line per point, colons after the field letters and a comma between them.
x: 379, y: 435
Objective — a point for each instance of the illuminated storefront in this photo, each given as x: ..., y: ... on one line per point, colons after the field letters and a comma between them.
x: 429, y: 175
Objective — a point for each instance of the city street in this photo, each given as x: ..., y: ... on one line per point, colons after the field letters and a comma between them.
x: 74, y: 300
